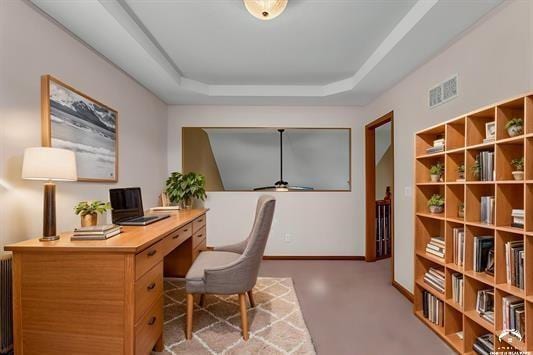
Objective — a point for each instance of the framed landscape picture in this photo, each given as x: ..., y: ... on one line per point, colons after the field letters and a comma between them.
x: 74, y: 121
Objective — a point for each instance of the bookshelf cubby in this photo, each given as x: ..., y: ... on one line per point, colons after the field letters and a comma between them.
x: 465, y: 137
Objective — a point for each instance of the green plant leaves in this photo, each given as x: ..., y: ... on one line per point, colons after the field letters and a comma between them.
x: 90, y: 207
x: 181, y: 187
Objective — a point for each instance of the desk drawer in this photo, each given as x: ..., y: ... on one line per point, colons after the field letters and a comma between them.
x: 149, y: 257
x: 178, y: 237
x: 199, y: 248
x: 148, y: 289
x: 149, y: 328
x: 198, y: 237
x: 198, y: 223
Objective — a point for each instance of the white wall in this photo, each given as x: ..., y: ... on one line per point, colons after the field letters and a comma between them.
x: 494, y: 62
x: 319, y: 223
x: 30, y: 46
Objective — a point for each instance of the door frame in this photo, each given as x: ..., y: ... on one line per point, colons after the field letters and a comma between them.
x: 370, y: 187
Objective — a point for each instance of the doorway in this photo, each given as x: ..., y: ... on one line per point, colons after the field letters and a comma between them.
x: 379, y: 166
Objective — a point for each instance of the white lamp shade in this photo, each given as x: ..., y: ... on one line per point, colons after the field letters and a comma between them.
x: 44, y: 163
x: 265, y: 9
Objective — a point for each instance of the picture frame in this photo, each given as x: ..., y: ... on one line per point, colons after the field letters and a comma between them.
x: 75, y: 121
x: 490, y: 130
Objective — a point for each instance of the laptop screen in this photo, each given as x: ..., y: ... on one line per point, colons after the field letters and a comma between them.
x: 126, y: 203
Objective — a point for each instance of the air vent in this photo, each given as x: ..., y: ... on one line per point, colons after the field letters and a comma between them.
x: 443, y: 92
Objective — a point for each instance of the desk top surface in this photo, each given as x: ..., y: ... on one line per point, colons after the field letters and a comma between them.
x: 131, y: 240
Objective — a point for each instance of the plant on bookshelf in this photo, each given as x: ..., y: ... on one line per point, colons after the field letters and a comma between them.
x: 476, y: 168
x: 518, y: 165
x: 461, y: 210
x: 515, y: 127
x: 436, y: 204
x: 460, y: 172
x: 435, y: 172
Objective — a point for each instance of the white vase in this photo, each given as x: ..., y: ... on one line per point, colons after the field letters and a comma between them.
x: 436, y: 209
x: 514, y: 131
x: 518, y: 175
x: 434, y: 178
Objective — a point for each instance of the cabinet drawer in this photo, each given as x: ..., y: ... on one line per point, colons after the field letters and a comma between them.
x: 198, y: 223
x: 178, y: 237
x: 199, y: 248
x: 148, y: 289
x: 149, y: 328
x: 149, y: 257
x: 198, y: 237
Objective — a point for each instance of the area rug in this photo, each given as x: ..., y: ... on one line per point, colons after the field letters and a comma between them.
x: 276, y: 323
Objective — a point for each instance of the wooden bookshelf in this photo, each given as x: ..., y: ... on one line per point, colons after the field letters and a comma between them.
x: 464, y: 139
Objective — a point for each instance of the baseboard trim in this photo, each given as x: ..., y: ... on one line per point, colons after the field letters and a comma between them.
x: 312, y: 257
x: 405, y: 292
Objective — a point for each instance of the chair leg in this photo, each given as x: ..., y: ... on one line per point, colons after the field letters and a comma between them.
x: 190, y: 306
x: 244, y: 315
x: 251, y: 297
x: 202, y: 300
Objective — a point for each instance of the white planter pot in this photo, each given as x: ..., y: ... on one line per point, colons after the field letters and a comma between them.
x: 436, y: 209
x: 518, y: 175
x: 515, y: 131
x: 435, y: 178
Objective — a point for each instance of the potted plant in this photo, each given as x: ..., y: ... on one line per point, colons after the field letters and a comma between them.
x: 435, y: 172
x: 518, y: 165
x: 515, y: 127
x: 476, y: 169
x: 461, y: 210
x: 436, y: 204
x: 89, y: 210
x: 183, y: 188
x: 461, y: 172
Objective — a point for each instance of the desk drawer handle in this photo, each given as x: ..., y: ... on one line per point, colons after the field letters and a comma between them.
x: 152, y: 320
x: 151, y: 286
x: 152, y: 253
x: 199, y: 220
x: 176, y: 236
x: 186, y: 230
x: 200, y: 235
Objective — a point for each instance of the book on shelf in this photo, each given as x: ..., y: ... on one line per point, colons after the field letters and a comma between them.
x: 514, y: 263
x: 486, y: 165
x: 435, y: 279
x: 518, y: 216
x: 96, y: 232
x: 436, y: 149
x: 484, y: 344
x: 485, y: 304
x: 436, y: 246
x: 487, y: 209
x: 482, y: 246
x: 489, y: 140
x: 432, y: 308
x: 513, y: 314
x: 458, y: 246
x: 457, y: 288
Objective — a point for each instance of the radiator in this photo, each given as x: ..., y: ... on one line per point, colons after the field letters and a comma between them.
x: 6, y: 305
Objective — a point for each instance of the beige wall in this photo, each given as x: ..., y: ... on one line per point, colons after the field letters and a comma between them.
x: 493, y: 61
x: 30, y: 45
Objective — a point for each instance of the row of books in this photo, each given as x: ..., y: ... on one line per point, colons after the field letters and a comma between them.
x: 486, y: 165
x: 438, y: 146
x: 436, y: 246
x: 96, y: 232
x: 458, y: 288
x: 485, y: 304
x: 487, y: 209
x: 514, y: 314
x: 458, y: 246
x: 518, y: 218
x: 432, y: 308
x: 484, y: 344
x: 435, y: 279
x: 514, y: 263
x: 483, y: 254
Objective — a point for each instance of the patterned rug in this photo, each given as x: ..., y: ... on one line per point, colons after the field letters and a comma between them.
x: 276, y: 323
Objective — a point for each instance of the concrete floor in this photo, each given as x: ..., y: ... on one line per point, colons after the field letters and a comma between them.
x: 351, y: 308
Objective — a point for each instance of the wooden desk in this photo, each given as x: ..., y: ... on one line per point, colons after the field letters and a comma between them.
x: 100, y: 297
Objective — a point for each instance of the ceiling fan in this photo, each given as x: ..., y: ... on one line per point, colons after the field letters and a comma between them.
x: 282, y: 185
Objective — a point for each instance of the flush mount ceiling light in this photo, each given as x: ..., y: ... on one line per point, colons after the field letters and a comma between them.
x: 265, y: 9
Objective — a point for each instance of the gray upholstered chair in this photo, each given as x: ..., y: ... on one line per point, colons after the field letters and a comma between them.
x: 231, y: 269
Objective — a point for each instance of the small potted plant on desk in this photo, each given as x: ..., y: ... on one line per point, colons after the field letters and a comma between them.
x: 515, y: 127
x: 183, y: 188
x: 89, y: 210
x: 518, y: 172
x: 435, y: 172
x: 436, y: 204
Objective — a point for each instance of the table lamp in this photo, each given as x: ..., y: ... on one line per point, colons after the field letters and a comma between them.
x: 49, y: 164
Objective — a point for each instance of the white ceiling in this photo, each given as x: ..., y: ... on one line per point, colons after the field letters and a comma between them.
x: 331, y: 52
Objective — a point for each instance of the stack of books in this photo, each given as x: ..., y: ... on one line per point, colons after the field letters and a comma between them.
x: 458, y: 246
x: 484, y: 344
x: 482, y: 247
x: 435, y: 279
x: 518, y: 218
x: 487, y: 209
x: 436, y: 246
x: 432, y: 308
x: 458, y: 288
x: 96, y: 232
x: 514, y: 314
x: 485, y: 304
x: 438, y: 146
x: 486, y: 166
x: 514, y: 263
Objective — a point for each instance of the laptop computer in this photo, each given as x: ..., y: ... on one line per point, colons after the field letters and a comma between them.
x: 127, y: 208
